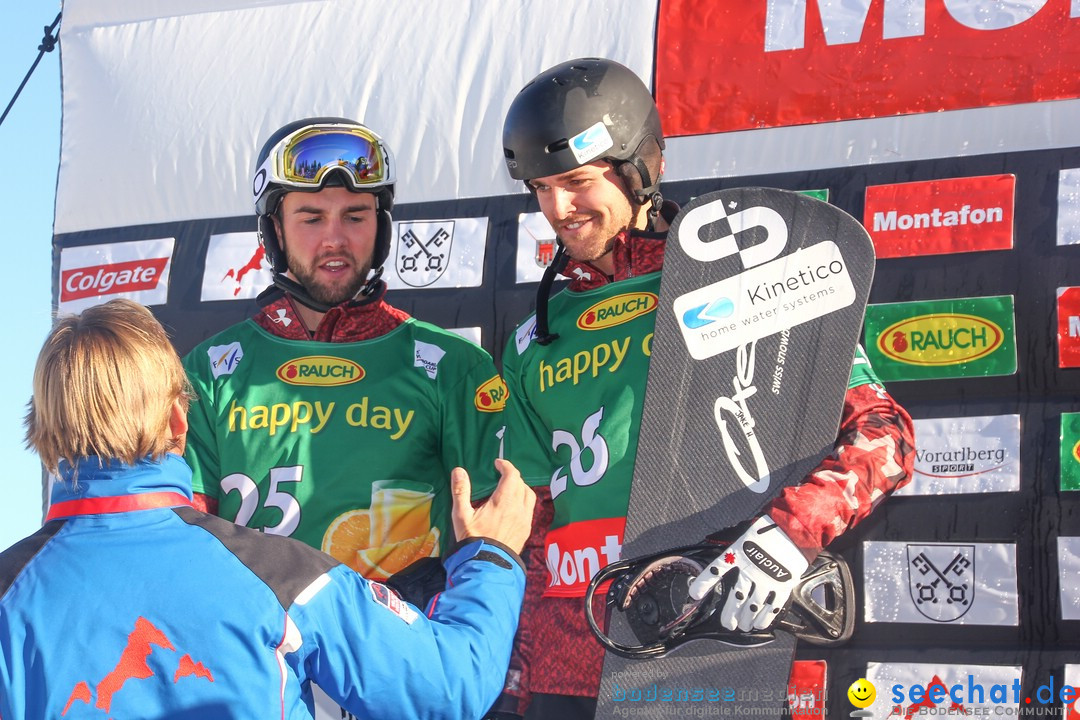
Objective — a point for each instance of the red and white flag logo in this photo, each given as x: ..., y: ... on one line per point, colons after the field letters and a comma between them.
x: 236, y: 267
x: 1068, y: 321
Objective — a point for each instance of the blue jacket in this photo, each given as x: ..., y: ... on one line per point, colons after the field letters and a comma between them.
x: 131, y: 604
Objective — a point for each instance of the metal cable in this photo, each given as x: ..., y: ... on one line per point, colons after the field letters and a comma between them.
x: 48, y: 43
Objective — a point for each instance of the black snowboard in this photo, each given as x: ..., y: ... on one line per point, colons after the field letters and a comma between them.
x: 761, y: 306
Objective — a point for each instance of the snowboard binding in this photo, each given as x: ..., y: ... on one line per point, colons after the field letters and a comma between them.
x: 652, y: 592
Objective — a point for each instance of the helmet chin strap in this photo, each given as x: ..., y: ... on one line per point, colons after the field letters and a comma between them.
x: 656, y: 201
x: 299, y: 293
x: 302, y: 296
x: 372, y: 284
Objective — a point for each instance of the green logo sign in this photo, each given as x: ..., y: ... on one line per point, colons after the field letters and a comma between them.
x: 965, y: 337
x: 1070, y: 451
x: 822, y: 195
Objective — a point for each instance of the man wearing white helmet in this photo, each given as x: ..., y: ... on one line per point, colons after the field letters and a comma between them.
x: 585, y: 137
x: 331, y: 416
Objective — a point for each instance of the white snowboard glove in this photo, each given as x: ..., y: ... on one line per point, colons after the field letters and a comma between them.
x: 764, y: 566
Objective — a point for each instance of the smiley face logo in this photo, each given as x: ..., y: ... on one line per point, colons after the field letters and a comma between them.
x: 862, y: 693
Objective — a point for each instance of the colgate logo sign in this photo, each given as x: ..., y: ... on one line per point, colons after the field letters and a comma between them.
x: 869, y: 58
x: 111, y: 279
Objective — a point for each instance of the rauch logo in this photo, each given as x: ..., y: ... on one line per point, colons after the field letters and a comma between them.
x: 617, y: 310
x: 320, y: 370
x: 491, y: 396
x: 940, y: 339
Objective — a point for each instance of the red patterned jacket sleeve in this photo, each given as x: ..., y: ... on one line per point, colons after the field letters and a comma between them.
x: 516, y: 690
x: 873, y: 456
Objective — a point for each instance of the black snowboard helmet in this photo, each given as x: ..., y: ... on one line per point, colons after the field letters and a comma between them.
x: 309, y: 155
x: 571, y: 115
x: 580, y: 111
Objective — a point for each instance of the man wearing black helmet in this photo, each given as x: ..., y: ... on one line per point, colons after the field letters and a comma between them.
x: 585, y: 137
x: 331, y: 416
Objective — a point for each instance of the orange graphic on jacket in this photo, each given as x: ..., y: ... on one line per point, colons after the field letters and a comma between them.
x: 133, y: 666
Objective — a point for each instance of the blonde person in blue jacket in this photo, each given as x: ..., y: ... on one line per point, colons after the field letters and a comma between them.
x: 129, y: 603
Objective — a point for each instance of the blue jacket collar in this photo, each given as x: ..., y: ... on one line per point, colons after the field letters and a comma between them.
x: 103, y: 477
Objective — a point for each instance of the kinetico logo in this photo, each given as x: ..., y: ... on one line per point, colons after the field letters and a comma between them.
x: 617, y: 310
x: 940, y: 339
x: 491, y: 396
x: 320, y: 370
x: 708, y: 313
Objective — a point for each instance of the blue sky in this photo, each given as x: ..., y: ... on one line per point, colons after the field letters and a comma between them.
x: 30, y: 137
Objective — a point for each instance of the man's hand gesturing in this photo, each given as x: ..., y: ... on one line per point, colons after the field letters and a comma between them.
x: 506, y: 516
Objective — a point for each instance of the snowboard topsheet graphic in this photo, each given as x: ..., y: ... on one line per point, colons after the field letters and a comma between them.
x: 760, y: 310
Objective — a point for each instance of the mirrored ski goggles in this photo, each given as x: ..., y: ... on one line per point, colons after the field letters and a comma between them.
x: 302, y: 159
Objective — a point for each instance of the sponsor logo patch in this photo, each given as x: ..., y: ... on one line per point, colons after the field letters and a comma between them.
x: 940, y: 580
x: 1070, y: 451
x: 236, y: 267
x: 224, y: 359
x: 870, y: 59
x: 578, y: 551
x: 137, y: 270
x: 766, y: 299
x: 963, y: 337
x: 536, y: 247
x: 525, y: 334
x: 591, y: 143
x: 427, y: 356
x: 940, y: 339
x: 1068, y: 562
x: 1068, y: 327
x: 545, y: 252
x: 323, y: 370
x: 1068, y: 207
x: 491, y: 396
x: 617, y: 310
x: 910, y: 691
x: 392, y: 602
x: 929, y: 583
x: 941, y: 216
x: 423, y: 251
x: 765, y: 561
x: 111, y: 279
x: 965, y: 455
x: 806, y: 688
